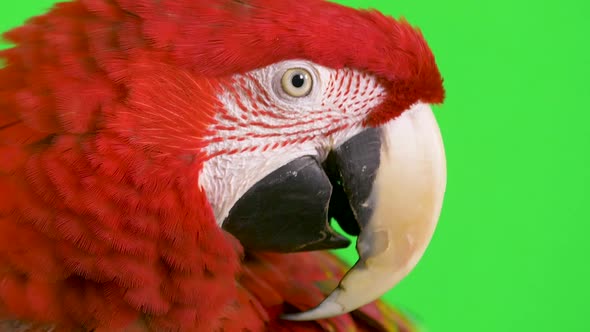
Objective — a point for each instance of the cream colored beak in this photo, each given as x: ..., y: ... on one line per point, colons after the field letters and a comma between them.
x: 409, y: 189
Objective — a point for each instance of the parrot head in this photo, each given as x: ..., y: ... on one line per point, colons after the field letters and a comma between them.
x: 324, y: 114
x: 283, y: 114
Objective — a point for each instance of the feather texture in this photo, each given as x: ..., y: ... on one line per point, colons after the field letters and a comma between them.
x: 102, y: 220
x: 268, y: 286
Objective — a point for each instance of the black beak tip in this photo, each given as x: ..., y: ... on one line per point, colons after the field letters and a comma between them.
x: 287, y: 211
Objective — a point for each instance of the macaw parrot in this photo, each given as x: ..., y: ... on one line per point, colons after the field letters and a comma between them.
x: 176, y: 165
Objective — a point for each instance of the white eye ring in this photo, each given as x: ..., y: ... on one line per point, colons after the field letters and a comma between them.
x: 297, y: 82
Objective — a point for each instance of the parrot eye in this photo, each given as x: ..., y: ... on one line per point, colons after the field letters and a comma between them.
x: 297, y: 82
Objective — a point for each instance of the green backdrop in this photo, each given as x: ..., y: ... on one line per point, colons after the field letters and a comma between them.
x: 511, y: 251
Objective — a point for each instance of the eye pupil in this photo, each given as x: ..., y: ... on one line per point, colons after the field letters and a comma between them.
x: 298, y: 80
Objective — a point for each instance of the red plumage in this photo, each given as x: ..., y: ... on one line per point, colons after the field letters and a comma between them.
x: 103, y: 106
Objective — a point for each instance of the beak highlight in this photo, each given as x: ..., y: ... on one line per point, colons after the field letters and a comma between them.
x: 408, y: 194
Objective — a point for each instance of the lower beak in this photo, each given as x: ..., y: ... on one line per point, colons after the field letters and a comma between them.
x: 408, y: 192
x: 385, y: 184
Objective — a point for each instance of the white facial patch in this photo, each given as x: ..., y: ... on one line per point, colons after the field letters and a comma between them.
x: 264, y: 127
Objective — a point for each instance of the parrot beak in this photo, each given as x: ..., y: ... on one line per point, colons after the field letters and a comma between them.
x: 397, y: 207
x: 385, y: 185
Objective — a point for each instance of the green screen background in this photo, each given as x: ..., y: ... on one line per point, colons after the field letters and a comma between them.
x: 511, y: 251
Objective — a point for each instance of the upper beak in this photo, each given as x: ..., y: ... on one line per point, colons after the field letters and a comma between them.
x: 391, y: 182
x: 408, y: 192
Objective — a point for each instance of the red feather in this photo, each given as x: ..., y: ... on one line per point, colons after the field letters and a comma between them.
x: 104, y: 105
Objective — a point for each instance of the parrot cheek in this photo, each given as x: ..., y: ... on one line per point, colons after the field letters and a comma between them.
x: 395, y: 179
